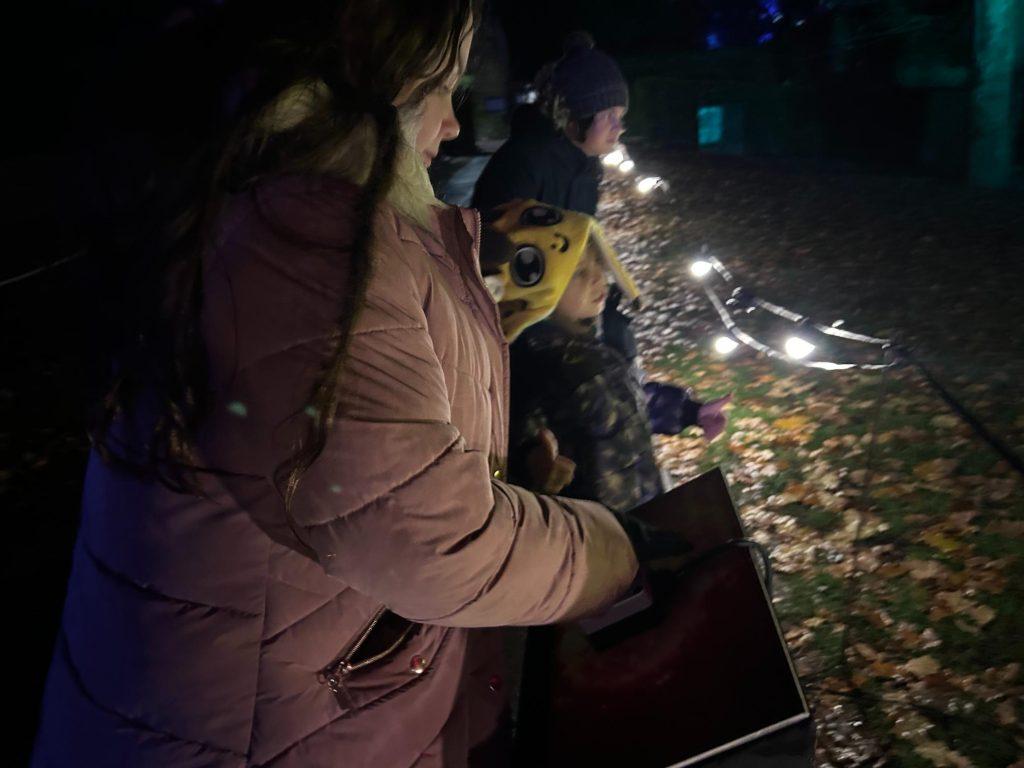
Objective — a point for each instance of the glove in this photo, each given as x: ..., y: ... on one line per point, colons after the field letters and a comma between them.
x: 711, y: 418
x: 651, y: 543
x: 671, y: 410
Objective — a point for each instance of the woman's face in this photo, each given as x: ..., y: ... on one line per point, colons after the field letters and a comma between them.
x: 585, y: 295
x: 437, y: 121
x: 605, y: 131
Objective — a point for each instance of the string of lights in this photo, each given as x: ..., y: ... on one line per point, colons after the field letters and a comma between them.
x: 619, y: 159
x: 703, y: 266
x: 797, y: 348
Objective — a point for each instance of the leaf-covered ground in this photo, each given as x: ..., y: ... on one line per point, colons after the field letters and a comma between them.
x: 897, y: 535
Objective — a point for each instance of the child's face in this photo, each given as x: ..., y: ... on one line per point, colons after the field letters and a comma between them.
x: 585, y: 295
x: 436, y: 117
x: 605, y: 132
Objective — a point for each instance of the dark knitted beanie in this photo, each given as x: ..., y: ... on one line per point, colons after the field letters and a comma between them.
x: 588, y: 80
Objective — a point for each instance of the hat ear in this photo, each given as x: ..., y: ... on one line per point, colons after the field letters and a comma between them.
x: 495, y: 249
x: 611, y: 262
x: 540, y: 216
x: 495, y: 213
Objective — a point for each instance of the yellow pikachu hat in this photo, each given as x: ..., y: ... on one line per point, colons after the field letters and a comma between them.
x: 548, y: 244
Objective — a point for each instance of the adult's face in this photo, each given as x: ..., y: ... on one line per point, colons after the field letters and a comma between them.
x: 604, y: 132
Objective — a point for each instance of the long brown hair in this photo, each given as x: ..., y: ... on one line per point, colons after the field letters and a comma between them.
x: 334, y: 75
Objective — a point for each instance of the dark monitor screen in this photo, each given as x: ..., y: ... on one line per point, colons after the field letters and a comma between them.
x: 705, y: 672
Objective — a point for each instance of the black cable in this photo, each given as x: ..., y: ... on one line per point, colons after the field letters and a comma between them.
x: 703, y: 557
x: 961, y: 410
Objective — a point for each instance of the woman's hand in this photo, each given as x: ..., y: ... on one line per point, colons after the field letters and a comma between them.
x: 549, y: 471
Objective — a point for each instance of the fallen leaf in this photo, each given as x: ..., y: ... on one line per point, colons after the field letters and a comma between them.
x: 922, y: 666
x: 941, y: 542
x: 1008, y: 673
x: 953, y: 603
x: 936, y: 469
x: 942, y: 756
x: 1006, y: 712
x: 881, y: 668
x: 792, y: 423
x: 894, y: 491
x: 925, y: 569
x: 982, y: 614
x: 961, y: 520
x: 866, y: 651
x: 945, y: 421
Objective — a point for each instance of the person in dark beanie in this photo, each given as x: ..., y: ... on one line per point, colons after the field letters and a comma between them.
x: 553, y: 152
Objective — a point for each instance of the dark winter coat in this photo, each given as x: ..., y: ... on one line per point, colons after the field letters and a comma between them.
x: 539, y: 162
x: 590, y: 397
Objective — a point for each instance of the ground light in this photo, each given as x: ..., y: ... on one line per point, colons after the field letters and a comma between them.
x: 613, y: 158
x: 725, y: 345
x: 798, y: 348
x: 648, y: 183
x: 701, y: 268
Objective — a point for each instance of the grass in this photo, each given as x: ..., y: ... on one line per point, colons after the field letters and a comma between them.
x: 890, y: 483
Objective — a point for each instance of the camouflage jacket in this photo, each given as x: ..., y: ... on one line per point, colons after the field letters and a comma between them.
x: 586, y: 393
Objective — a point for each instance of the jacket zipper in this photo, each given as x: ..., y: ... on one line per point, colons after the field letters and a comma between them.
x: 336, y: 672
x: 495, y: 318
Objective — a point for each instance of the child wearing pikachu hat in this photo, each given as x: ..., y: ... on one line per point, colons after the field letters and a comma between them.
x: 571, y: 392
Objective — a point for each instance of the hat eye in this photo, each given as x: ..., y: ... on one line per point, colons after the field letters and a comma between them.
x: 527, y: 267
x: 540, y: 216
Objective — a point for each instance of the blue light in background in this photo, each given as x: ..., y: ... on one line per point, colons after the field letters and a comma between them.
x: 714, y: 41
x: 772, y: 10
x: 767, y: 37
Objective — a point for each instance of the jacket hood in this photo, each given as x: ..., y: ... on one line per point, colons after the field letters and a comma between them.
x: 529, y: 120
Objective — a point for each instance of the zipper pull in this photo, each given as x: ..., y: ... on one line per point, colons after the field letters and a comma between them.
x: 334, y: 676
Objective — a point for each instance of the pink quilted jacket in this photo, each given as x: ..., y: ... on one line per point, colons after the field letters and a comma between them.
x: 204, y: 631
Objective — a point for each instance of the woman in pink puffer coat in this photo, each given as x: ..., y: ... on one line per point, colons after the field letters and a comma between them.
x: 291, y: 551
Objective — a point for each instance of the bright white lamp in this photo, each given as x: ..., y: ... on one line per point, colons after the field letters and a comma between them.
x: 700, y: 268
x: 725, y: 345
x: 648, y: 183
x: 798, y: 348
x: 615, y: 157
